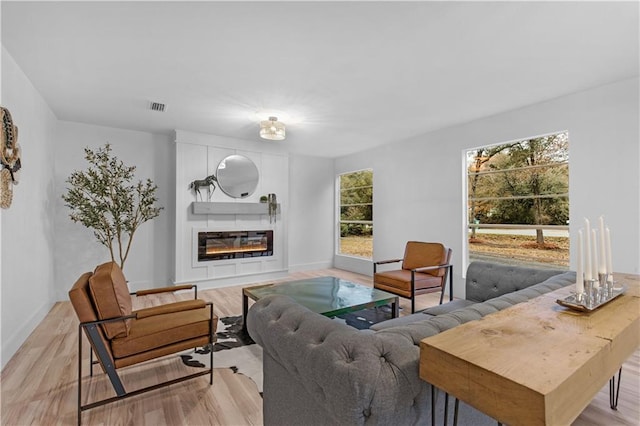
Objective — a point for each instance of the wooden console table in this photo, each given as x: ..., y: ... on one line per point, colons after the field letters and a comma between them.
x: 536, y: 362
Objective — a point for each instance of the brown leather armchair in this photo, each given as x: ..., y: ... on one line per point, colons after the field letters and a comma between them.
x: 425, y: 267
x: 120, y: 337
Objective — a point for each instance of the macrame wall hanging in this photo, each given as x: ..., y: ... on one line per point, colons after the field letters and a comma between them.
x: 10, y: 163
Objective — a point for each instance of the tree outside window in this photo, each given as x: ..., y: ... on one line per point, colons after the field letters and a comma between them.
x: 356, y: 214
x: 518, y: 201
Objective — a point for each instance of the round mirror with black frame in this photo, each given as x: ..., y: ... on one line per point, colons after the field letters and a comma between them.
x: 237, y: 176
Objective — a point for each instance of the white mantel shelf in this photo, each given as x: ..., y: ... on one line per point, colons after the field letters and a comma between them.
x: 201, y: 207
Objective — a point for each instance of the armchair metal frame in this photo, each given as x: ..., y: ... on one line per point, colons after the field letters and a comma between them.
x: 97, y: 345
x: 448, y: 272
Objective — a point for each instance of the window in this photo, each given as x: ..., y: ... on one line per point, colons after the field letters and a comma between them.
x: 356, y: 214
x: 518, y: 202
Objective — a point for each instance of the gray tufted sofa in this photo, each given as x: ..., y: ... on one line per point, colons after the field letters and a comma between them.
x: 318, y: 371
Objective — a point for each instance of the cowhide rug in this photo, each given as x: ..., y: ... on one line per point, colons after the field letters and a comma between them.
x: 233, y: 349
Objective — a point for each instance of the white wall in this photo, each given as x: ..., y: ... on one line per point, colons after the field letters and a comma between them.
x: 311, y: 213
x: 418, y: 193
x: 418, y: 182
x: 27, y: 226
x: 150, y: 262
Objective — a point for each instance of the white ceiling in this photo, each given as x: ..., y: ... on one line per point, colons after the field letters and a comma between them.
x: 352, y: 74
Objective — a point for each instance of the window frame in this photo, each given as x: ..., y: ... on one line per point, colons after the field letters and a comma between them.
x: 467, y: 226
x: 339, y: 207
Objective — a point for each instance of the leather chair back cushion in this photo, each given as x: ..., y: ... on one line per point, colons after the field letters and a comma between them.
x: 80, y: 299
x: 111, y: 298
x: 419, y: 254
x: 83, y: 305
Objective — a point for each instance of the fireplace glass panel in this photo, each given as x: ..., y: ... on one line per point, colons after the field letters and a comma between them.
x: 234, y: 244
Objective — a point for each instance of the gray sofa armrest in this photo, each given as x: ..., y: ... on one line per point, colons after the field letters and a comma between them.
x: 486, y: 280
x: 404, y: 320
x: 354, y: 377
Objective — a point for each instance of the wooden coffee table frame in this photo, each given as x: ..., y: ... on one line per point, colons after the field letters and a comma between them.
x: 536, y: 362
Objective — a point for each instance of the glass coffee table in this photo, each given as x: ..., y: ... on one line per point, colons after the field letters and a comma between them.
x: 329, y: 296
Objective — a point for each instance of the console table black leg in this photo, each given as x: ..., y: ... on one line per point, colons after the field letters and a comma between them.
x: 433, y: 405
x: 614, y: 391
x: 446, y: 408
x: 455, y: 412
x: 395, y: 308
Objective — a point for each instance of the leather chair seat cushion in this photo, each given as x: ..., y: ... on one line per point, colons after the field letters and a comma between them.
x: 399, y: 282
x: 111, y: 298
x: 157, y: 331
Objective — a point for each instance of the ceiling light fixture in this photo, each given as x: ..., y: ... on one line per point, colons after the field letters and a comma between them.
x: 272, y: 129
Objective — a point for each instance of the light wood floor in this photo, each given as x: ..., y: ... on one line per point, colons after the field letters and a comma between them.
x: 38, y: 385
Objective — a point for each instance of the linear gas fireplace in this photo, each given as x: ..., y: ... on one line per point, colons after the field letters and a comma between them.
x: 234, y: 244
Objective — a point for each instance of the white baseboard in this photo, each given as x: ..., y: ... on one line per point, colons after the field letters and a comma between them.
x: 354, y: 264
x: 311, y: 266
x: 11, y: 344
x: 211, y: 283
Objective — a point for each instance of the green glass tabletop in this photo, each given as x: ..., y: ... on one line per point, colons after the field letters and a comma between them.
x: 329, y: 296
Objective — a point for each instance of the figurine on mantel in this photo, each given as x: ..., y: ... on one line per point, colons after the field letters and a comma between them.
x: 206, y: 182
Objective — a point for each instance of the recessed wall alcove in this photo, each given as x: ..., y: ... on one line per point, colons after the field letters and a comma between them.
x: 197, y: 156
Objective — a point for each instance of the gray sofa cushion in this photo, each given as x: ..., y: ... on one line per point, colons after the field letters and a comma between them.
x: 394, y: 322
x: 448, y: 307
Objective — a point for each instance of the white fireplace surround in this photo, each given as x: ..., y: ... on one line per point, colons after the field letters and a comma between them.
x: 198, y: 156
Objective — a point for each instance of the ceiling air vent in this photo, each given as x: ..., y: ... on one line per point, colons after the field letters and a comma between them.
x: 157, y: 106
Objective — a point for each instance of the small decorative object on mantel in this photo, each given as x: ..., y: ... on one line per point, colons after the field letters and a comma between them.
x: 207, y: 182
x: 273, y: 207
x: 264, y: 199
x: 595, y: 285
x: 10, y: 162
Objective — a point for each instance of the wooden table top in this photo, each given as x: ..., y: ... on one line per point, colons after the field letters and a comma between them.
x: 536, y: 362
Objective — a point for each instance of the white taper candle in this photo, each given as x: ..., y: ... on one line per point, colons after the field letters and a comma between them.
x: 579, y: 276
x: 587, y: 250
x: 594, y: 258
x: 609, y: 263
x: 602, y: 263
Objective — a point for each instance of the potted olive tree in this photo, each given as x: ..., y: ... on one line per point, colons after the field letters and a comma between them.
x: 104, y: 198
